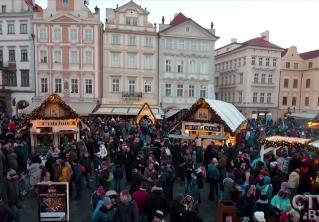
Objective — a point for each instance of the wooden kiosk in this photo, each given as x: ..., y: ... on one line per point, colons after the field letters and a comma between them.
x: 145, y: 112
x: 209, y: 120
x: 52, y: 124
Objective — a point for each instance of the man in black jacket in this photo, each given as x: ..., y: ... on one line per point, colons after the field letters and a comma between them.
x: 156, y: 201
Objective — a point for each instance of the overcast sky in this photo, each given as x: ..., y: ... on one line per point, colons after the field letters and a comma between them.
x: 289, y: 22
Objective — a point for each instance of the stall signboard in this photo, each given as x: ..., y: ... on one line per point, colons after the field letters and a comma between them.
x: 53, y: 200
x: 210, y: 128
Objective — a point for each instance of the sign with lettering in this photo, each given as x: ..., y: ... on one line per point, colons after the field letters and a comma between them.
x: 51, y: 123
x: 53, y: 199
x: 211, y: 128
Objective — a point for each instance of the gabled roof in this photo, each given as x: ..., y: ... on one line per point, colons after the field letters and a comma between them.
x: 131, y: 2
x: 178, y: 19
x: 260, y: 42
x: 36, y: 7
x: 310, y: 54
x: 284, y: 52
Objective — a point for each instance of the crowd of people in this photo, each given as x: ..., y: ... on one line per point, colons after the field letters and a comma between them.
x: 132, y: 170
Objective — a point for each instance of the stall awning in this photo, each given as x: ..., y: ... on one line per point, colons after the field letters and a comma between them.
x: 82, y: 108
x: 177, y: 136
x: 171, y: 112
x: 304, y: 115
x: 130, y: 111
x: 314, y: 143
x: 30, y: 108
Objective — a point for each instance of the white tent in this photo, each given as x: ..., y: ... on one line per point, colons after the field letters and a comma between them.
x: 315, y: 143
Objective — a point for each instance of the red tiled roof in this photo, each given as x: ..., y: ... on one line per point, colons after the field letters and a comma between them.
x: 260, y: 42
x: 178, y: 19
x: 36, y: 7
x: 310, y: 55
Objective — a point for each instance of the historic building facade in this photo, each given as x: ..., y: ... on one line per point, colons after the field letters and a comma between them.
x: 67, y: 43
x: 186, y: 62
x: 247, y: 75
x: 16, y: 54
x: 130, y: 74
x: 299, y: 82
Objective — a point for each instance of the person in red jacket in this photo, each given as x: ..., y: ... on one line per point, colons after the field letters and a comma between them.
x: 140, y: 196
x: 12, y: 126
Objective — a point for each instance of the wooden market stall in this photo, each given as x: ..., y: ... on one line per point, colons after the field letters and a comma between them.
x: 145, y: 112
x: 209, y: 120
x: 52, y: 124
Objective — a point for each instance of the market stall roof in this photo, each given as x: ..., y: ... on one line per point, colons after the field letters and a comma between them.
x: 178, y: 136
x: 171, y: 112
x: 314, y: 143
x: 283, y: 141
x: 304, y: 115
x: 131, y: 111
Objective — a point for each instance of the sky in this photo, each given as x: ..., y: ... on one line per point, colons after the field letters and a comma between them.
x: 290, y: 22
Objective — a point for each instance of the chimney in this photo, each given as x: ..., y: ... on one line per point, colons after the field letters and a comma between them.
x: 233, y: 40
x: 117, y: 5
x: 97, y: 9
x: 33, y: 2
x: 265, y: 35
x: 163, y: 20
x: 212, y: 25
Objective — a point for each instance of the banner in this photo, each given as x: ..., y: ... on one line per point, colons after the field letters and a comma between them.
x: 53, y: 199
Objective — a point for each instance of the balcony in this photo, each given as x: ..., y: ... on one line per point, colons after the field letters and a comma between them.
x: 263, y: 84
x: 132, y: 95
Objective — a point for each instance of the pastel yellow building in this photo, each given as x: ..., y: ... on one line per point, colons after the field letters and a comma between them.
x: 299, y: 81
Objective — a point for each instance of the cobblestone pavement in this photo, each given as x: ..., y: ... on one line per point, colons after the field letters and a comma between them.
x: 80, y: 211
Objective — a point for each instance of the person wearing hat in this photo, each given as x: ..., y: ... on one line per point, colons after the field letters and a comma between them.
x: 259, y: 216
x: 263, y: 205
x: 158, y: 216
x: 11, y: 192
x: 281, y: 200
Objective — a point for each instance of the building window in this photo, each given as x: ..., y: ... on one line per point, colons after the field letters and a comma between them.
x: 253, y: 60
x: 12, y: 55
x: 115, y: 40
x: 244, y: 61
x: 267, y: 61
x: 307, y: 83
x: 284, y: 101
x: 295, y: 65
x: 131, y: 41
x: 287, y: 65
x: 226, y: 80
x: 269, y: 78
x: 310, y: 65
x: 74, y: 57
x: 168, y: 44
x: 235, y: 63
x: 255, y: 95
x: 74, y: 86
x: 58, y: 85
x: 25, y: 78
x: 240, y: 97
x: 74, y: 35
x: 203, y: 91
x: 88, y: 86
x: 203, y: 68
x: 131, y: 86
x: 131, y: 21
x: 307, y: 101
x: 268, y: 98
x: 1, y: 57
x: 318, y: 101
x: 234, y: 79
x: 115, y: 60
x: 168, y: 65
x: 241, y: 78
x: 193, y: 45
x: 65, y: 2
x: 43, y: 56
x: 260, y: 61
x: 148, y: 86
x: 88, y: 57
x: 148, y: 61
x: 187, y: 29
x: 180, y: 66
x: 262, y: 97
x: 191, y: 91
x: 239, y: 62
x: 132, y: 60
x: 295, y: 83
x: 181, y: 44
x: 148, y: 42
x: 10, y: 78
x: 180, y: 90
x: 57, y: 56
x: 274, y: 62
x: 286, y: 83
x: 43, y: 33
x: 168, y: 89
x: 24, y: 55
x: 230, y: 64
x: 44, y: 85
x: 88, y: 35
x: 294, y: 101
x: 115, y: 85
x: 3, y: 9
x: 57, y: 34
x: 23, y: 28
x: 263, y: 78
x: 11, y: 29
x: 256, y: 77
x: 192, y: 66
x: 0, y: 29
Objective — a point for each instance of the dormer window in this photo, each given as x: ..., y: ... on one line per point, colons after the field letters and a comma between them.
x: 187, y: 28
x: 65, y: 2
x: 131, y: 21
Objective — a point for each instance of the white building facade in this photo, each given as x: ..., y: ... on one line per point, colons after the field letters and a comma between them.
x: 186, y: 62
x: 130, y: 74
x: 16, y: 55
x: 247, y: 75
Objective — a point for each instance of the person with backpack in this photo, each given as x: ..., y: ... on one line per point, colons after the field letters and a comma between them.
x: 213, y: 176
x: 104, y: 211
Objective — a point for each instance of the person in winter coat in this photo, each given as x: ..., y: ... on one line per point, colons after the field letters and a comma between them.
x: 281, y: 201
x: 77, y: 179
x: 6, y: 214
x: 294, y: 181
x: 229, y: 186
x: 103, y: 211
x: 156, y: 201
x: 265, y: 187
x: 2, y: 161
x: 213, y: 176
x: 262, y: 204
x: 34, y: 173
x: 96, y: 196
x: 245, y: 204
x: 127, y: 210
x: 118, y: 176
x: 140, y: 198
x: 12, y: 158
